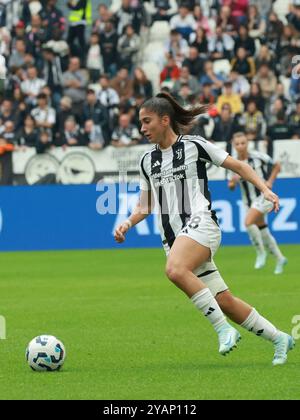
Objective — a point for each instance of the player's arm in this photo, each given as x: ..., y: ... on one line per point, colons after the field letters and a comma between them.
x: 248, y: 174
x: 141, y: 211
x: 274, y: 173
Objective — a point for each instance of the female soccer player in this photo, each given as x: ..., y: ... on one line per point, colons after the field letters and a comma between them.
x: 256, y: 205
x: 173, y: 178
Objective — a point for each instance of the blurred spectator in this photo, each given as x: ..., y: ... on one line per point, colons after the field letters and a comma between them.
x: 243, y: 64
x: 28, y: 135
x: 162, y: 10
x: 220, y: 45
x: 263, y: 7
x: 294, y: 89
x: 128, y: 15
x: 294, y: 121
x: 94, y: 62
x: 30, y: 8
x: 293, y: 17
x: 123, y: 85
x: 255, y: 94
x: 238, y: 10
x: 194, y: 63
x: 253, y: 120
x: 93, y: 136
x: 186, y: 78
x: 52, y: 74
x: 75, y: 81
x: 52, y: 18
x: 256, y: 23
x: 280, y: 94
x: 19, y: 30
x: 274, y: 30
x: 64, y: 112
x: 280, y: 130
x: 207, y: 96
x: 128, y: 47
x: 72, y: 135
x: 35, y: 37
x: 244, y: 41
x: 98, y: 113
x: 265, y: 56
x: 134, y: 113
x: 170, y: 73
x: 18, y: 55
x: 183, y: 22
x: 104, y: 15
x: 9, y: 132
x: 108, y: 44
x: 6, y: 167
x: 274, y: 108
x: 45, y: 116
x: 79, y: 17
x: 198, y: 40
x: 125, y: 134
x: 266, y: 80
x: 211, y: 77
x: 59, y: 47
x: 288, y: 46
x: 44, y: 141
x: 110, y: 99
x: 185, y: 95
x: 225, y: 126
x: 5, y: 42
x: 141, y: 84
x: 240, y: 84
x: 226, y: 21
x: 177, y: 46
x: 2, y: 14
x: 32, y: 85
x: 228, y: 97
x: 202, y: 21
x: 8, y: 113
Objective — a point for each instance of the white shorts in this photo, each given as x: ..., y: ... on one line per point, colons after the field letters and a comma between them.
x: 204, y: 230
x: 262, y: 205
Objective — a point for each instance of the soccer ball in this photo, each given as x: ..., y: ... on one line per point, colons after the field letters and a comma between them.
x: 45, y: 353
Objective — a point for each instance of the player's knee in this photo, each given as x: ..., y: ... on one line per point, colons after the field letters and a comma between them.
x: 174, y: 272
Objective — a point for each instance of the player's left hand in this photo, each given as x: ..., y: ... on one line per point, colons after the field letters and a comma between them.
x: 270, y: 196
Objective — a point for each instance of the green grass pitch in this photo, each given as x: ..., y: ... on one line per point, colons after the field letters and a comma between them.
x: 130, y: 334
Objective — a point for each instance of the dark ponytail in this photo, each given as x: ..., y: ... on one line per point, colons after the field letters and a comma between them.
x: 181, y: 119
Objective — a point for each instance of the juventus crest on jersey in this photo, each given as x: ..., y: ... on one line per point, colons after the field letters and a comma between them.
x: 262, y: 164
x: 177, y: 178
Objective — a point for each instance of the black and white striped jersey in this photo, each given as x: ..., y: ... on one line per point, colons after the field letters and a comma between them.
x: 261, y: 163
x: 178, y: 181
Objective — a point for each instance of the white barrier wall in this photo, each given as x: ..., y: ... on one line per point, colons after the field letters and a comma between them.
x: 81, y: 165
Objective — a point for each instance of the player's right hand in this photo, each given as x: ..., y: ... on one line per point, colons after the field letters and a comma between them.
x: 120, y: 232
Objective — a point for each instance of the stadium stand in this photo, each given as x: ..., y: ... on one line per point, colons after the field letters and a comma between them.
x: 223, y: 53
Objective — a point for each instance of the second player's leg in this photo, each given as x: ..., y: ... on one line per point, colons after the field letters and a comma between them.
x: 253, y: 220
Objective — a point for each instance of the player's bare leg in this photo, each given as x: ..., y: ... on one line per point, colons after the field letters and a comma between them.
x: 255, y: 218
x: 272, y: 246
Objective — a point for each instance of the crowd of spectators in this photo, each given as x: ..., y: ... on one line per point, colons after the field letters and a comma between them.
x: 73, y: 83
